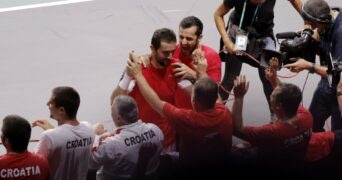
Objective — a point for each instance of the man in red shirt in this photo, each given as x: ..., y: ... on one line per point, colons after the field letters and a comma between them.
x: 284, y: 142
x: 190, y: 35
x: 159, y: 76
x: 18, y: 163
x: 322, y: 143
x: 324, y: 154
x: 208, y: 118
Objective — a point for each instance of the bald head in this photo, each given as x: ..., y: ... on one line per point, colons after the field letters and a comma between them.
x: 205, y: 92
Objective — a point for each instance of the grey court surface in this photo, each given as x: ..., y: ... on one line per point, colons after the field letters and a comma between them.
x: 85, y: 45
x: 17, y: 3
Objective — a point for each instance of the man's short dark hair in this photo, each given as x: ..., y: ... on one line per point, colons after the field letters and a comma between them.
x: 206, y: 92
x: 127, y: 108
x: 192, y: 21
x: 290, y: 97
x: 18, y: 131
x: 163, y: 35
x: 68, y: 98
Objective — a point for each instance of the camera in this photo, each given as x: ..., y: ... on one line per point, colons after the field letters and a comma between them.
x: 304, y: 46
x: 292, y: 44
x: 297, y: 45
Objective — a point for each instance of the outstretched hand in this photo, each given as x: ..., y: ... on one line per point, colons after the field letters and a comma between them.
x: 240, y: 86
x: 271, y: 70
x: 299, y: 65
x: 44, y: 124
x: 99, y: 129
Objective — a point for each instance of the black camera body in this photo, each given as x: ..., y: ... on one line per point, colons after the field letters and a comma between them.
x: 297, y: 45
x: 303, y: 46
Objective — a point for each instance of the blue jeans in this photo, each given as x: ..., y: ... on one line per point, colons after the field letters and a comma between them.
x: 233, y: 68
x: 324, y: 104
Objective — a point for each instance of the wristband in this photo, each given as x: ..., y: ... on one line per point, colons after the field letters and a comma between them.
x: 312, y: 69
x: 131, y: 85
x: 124, y: 82
x: 184, y: 83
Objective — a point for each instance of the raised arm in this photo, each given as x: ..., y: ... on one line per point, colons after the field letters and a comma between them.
x: 301, y: 64
x: 297, y: 4
x: 271, y: 72
x: 240, y: 89
x: 125, y: 80
x: 44, y: 124
x: 200, y: 64
x: 122, y: 87
x: 219, y: 14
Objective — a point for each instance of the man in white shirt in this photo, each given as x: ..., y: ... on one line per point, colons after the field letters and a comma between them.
x: 68, y: 146
x: 116, y: 156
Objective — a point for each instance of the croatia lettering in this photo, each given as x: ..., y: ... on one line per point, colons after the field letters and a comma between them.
x: 78, y: 143
x: 298, y: 139
x: 20, y: 172
x: 146, y: 136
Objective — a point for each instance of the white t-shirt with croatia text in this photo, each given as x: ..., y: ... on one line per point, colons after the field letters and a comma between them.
x: 67, y: 149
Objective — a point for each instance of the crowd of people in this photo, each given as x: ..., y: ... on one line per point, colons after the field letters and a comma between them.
x: 170, y: 117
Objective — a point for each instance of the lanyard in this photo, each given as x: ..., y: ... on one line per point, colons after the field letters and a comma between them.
x: 243, y: 13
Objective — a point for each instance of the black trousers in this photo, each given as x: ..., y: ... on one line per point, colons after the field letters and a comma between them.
x: 232, y: 69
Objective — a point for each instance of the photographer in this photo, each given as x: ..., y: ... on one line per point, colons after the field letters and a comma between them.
x: 255, y: 19
x: 318, y: 15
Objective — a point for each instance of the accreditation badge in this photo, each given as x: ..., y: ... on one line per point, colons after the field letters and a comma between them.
x: 241, y: 41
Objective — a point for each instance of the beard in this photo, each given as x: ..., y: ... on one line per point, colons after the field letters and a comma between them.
x: 187, y: 51
x: 164, y: 62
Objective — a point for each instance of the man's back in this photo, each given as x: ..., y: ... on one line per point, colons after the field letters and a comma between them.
x: 205, y: 140
x: 195, y: 127
x: 67, y: 149
x: 282, y: 140
x: 117, y: 154
x: 24, y: 165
